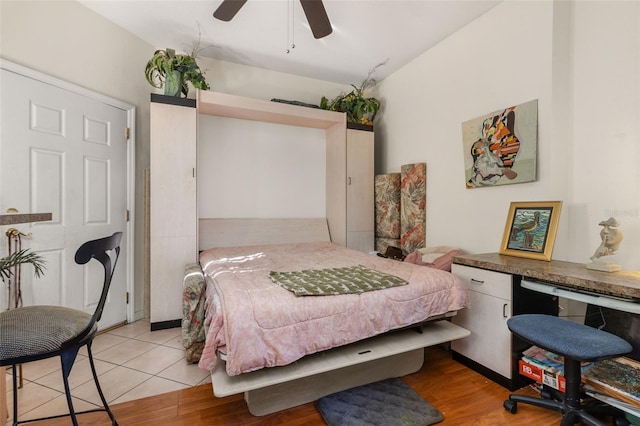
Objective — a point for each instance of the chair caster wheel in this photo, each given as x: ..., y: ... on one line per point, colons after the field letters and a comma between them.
x: 510, y: 406
x: 544, y: 393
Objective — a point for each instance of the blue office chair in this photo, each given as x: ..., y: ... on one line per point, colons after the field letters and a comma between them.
x: 33, y: 333
x: 576, y: 343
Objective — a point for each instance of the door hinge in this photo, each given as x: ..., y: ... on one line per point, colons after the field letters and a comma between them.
x: 127, y: 297
x: 126, y: 215
x: 127, y: 133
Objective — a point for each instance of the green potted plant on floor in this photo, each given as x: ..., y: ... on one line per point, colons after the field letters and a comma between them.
x: 173, y: 71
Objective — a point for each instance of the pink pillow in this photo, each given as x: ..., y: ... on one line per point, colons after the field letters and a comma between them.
x: 442, y: 262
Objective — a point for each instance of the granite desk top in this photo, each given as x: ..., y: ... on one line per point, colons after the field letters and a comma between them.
x: 15, y: 218
x: 568, y: 274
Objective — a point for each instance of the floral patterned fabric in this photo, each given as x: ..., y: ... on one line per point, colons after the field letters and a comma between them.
x: 387, y: 204
x: 387, y: 194
x: 193, y: 296
x: 413, y: 206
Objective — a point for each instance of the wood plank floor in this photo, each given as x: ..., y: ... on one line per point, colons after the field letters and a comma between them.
x: 463, y: 396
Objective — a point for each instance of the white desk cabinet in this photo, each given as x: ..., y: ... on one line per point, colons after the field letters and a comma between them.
x: 490, y: 341
x: 495, y: 296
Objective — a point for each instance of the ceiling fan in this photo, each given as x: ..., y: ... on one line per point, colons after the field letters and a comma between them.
x: 313, y: 9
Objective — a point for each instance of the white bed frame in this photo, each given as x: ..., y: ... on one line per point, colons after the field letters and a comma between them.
x: 269, y: 390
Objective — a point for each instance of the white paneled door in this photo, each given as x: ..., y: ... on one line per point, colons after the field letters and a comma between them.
x: 64, y: 153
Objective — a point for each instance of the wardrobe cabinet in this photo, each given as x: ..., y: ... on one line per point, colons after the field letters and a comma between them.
x: 173, y: 215
x: 360, y: 190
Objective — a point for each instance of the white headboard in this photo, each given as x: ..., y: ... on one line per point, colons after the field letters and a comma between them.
x: 245, y: 232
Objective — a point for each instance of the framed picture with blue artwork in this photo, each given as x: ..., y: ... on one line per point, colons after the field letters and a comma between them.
x: 531, y: 228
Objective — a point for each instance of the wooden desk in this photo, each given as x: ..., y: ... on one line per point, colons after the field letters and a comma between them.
x: 503, y: 286
x: 568, y: 274
x: 573, y: 280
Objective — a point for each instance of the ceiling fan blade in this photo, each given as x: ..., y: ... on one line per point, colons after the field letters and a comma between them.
x: 228, y: 9
x: 317, y: 17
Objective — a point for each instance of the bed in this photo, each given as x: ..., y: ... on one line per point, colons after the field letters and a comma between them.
x: 283, y: 350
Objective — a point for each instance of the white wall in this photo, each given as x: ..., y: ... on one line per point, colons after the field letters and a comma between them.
x: 259, y: 83
x: 492, y: 63
x: 606, y: 132
x: 581, y: 62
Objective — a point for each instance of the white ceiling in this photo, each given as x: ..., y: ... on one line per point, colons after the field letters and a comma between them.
x: 365, y: 32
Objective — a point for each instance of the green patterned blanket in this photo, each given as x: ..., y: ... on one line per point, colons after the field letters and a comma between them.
x: 332, y: 281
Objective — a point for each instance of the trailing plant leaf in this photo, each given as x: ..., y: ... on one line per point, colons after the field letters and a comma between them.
x: 20, y: 257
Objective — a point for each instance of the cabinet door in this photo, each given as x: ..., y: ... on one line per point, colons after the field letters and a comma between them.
x: 490, y: 341
x: 360, y: 201
x: 173, y: 215
x: 173, y: 162
x: 490, y: 307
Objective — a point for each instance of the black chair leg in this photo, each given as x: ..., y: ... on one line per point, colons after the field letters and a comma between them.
x: 95, y: 379
x: 67, y: 359
x: 538, y: 402
x: 15, y: 395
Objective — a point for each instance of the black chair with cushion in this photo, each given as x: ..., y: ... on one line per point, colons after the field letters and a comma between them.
x: 33, y: 333
x: 577, y: 343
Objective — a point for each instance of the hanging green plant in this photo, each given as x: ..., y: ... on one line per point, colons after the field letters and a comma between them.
x: 171, y: 71
x: 356, y: 105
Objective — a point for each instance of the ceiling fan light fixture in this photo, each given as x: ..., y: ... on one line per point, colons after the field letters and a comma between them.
x: 317, y: 17
x: 228, y: 9
x: 313, y: 9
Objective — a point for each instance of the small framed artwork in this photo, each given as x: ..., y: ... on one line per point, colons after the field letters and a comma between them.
x: 531, y: 228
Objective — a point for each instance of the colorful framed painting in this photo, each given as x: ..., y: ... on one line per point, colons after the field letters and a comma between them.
x: 500, y: 147
x: 531, y: 228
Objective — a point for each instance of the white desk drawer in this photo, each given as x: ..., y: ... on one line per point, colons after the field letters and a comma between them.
x: 483, y: 281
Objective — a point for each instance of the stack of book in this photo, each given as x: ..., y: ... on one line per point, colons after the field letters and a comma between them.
x: 544, y: 367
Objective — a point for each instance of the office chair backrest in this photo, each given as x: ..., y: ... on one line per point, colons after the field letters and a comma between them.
x: 99, y: 249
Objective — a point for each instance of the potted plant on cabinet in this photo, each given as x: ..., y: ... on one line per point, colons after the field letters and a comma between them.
x: 173, y: 71
x: 356, y: 105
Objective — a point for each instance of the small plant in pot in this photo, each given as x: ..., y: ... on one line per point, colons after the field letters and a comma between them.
x: 173, y: 71
x: 356, y: 105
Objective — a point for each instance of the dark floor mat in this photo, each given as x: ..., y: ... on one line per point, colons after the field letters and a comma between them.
x: 386, y: 403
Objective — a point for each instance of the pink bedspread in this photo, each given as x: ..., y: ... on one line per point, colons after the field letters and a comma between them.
x: 258, y: 324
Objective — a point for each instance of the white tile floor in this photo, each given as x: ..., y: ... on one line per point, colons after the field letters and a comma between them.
x: 132, y: 362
